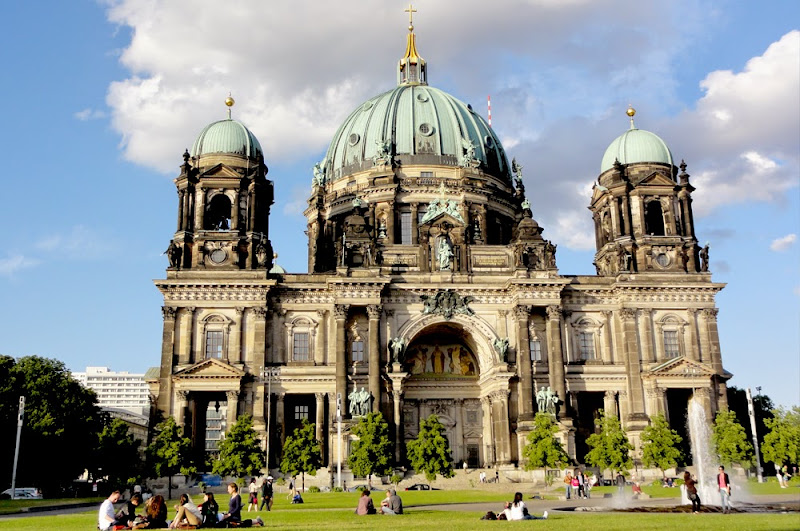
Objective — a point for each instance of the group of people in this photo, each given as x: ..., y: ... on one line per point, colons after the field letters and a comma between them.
x: 514, y: 510
x: 267, y: 492
x: 723, y: 485
x: 187, y: 513
x: 391, y: 505
x: 578, y: 484
x: 782, y: 473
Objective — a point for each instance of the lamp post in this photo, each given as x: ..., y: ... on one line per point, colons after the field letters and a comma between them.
x: 268, y: 374
x: 339, y: 439
x: 20, y: 417
x: 752, y: 413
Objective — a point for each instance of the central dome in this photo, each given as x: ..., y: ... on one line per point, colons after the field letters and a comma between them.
x: 423, y: 125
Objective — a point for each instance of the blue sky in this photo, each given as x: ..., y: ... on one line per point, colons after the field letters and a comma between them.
x: 101, y: 99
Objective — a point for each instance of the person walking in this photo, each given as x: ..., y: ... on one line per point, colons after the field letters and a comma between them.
x: 724, y: 484
x: 568, y: 485
x: 252, y: 502
x: 620, y: 483
x: 267, y: 492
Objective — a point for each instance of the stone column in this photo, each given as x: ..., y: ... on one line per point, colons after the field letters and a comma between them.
x: 646, y: 330
x: 555, y: 356
x: 522, y: 315
x: 321, y: 336
x: 397, y: 397
x: 180, y: 209
x: 330, y: 462
x: 626, y: 215
x: 374, y: 314
x: 501, y: 426
x: 624, y: 406
x: 705, y: 341
x: 200, y: 202
x: 279, y: 346
x: 338, y: 355
x: 632, y: 364
x: 280, y: 416
x: 233, y: 406
x: 610, y: 403
x: 488, y: 435
x: 181, y: 403
x: 258, y: 350
x: 167, y: 357
x: 414, y: 223
x: 458, y: 414
x: 235, y: 211
x: 616, y: 223
x: 319, y: 420
x: 712, y: 332
x: 235, y: 345
x: 608, y: 356
x: 693, y: 351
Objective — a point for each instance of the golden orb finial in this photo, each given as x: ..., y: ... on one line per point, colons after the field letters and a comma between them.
x: 631, y: 112
x: 229, y: 101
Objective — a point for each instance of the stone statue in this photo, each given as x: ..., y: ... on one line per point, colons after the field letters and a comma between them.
x: 704, y: 258
x: 383, y: 153
x: 364, y: 399
x: 174, y: 253
x: 541, y: 399
x: 552, y: 402
x: 446, y: 303
x: 445, y: 254
x: 397, y: 347
x: 261, y: 254
x: 501, y: 346
x: 469, y: 152
x: 355, y: 402
x: 319, y: 173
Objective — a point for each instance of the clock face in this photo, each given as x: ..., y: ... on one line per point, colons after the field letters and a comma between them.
x: 218, y: 256
x: 662, y: 259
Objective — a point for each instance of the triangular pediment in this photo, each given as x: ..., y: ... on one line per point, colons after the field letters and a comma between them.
x: 209, y: 368
x: 681, y: 367
x: 657, y: 179
x: 221, y: 170
x: 443, y: 217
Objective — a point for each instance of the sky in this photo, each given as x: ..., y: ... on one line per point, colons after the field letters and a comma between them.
x: 102, y: 97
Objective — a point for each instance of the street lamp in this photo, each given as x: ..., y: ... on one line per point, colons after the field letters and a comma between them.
x: 268, y: 374
x: 751, y: 411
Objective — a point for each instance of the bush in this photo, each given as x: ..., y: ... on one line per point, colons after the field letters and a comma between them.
x: 337, y: 489
x: 280, y: 481
x: 396, y: 478
x: 313, y: 488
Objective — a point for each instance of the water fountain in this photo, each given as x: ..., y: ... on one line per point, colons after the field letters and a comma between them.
x: 703, y: 456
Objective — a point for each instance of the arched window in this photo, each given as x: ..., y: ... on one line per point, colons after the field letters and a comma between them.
x: 654, y: 218
x: 671, y: 329
x: 218, y: 213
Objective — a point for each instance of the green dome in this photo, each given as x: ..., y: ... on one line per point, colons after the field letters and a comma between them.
x: 424, y: 126
x: 228, y: 137
x: 636, y: 145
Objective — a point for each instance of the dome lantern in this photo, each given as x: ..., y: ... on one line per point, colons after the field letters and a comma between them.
x: 412, y: 69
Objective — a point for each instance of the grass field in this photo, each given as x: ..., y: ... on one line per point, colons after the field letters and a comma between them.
x: 335, y: 511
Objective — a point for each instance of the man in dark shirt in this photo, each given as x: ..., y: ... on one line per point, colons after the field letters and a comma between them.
x: 266, y: 493
x: 392, y: 504
x: 234, y: 514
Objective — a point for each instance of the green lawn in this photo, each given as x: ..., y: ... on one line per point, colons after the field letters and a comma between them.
x: 13, y: 506
x: 308, y: 518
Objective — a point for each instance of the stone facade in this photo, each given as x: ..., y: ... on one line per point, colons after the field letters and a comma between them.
x: 431, y: 288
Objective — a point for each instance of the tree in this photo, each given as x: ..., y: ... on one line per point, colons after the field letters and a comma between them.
x: 240, y: 451
x: 61, y: 419
x: 762, y: 408
x: 170, y: 452
x: 302, y: 452
x: 372, y: 452
x: 660, y: 445
x: 543, y: 449
x: 610, y: 448
x: 117, y: 456
x: 782, y: 443
x: 730, y: 440
x: 430, y: 451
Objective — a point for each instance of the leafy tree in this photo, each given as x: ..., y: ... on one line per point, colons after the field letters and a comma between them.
x: 240, y: 451
x: 660, y: 445
x: 117, y: 457
x: 610, y: 448
x: 730, y: 440
x: 170, y: 452
x: 782, y: 443
x: 61, y: 419
x: 762, y: 408
x: 302, y: 452
x: 543, y: 449
x: 372, y: 452
x: 430, y: 451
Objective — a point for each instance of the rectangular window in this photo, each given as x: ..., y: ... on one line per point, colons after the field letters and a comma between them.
x: 300, y: 346
x: 421, y: 211
x: 358, y: 351
x: 671, y: 348
x: 426, y: 174
x: 586, y: 345
x: 214, y: 344
x: 536, y: 350
x: 300, y: 412
x: 405, y: 228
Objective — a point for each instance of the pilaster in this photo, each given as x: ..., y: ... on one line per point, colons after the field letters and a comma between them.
x: 167, y: 357
x: 522, y: 315
x: 374, y: 314
x: 633, y: 366
x: 555, y: 354
x: 338, y: 355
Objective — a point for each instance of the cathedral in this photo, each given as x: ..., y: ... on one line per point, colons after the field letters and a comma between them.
x: 431, y: 289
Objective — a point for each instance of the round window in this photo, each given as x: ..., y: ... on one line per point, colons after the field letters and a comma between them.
x: 662, y: 259
x: 422, y: 97
x: 367, y: 106
x: 218, y: 256
x: 353, y: 139
x: 488, y: 141
x: 426, y: 129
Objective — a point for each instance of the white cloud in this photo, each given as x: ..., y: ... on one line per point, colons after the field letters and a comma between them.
x: 78, y: 243
x: 14, y: 263
x: 89, y: 114
x: 783, y: 243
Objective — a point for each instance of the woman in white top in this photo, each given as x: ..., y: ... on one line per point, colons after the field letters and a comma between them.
x: 188, y: 513
x: 514, y: 509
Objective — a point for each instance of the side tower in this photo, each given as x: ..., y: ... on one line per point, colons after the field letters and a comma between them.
x: 642, y: 209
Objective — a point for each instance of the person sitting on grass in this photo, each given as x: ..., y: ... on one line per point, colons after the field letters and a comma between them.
x: 365, y: 505
x: 155, y: 514
x: 209, y: 510
x: 128, y: 513
x: 187, y: 513
x: 391, y: 504
x: 233, y: 518
x: 107, y: 518
x: 513, y: 510
x: 528, y: 516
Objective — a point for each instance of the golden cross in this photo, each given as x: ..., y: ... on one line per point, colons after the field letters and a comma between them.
x: 410, y: 12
